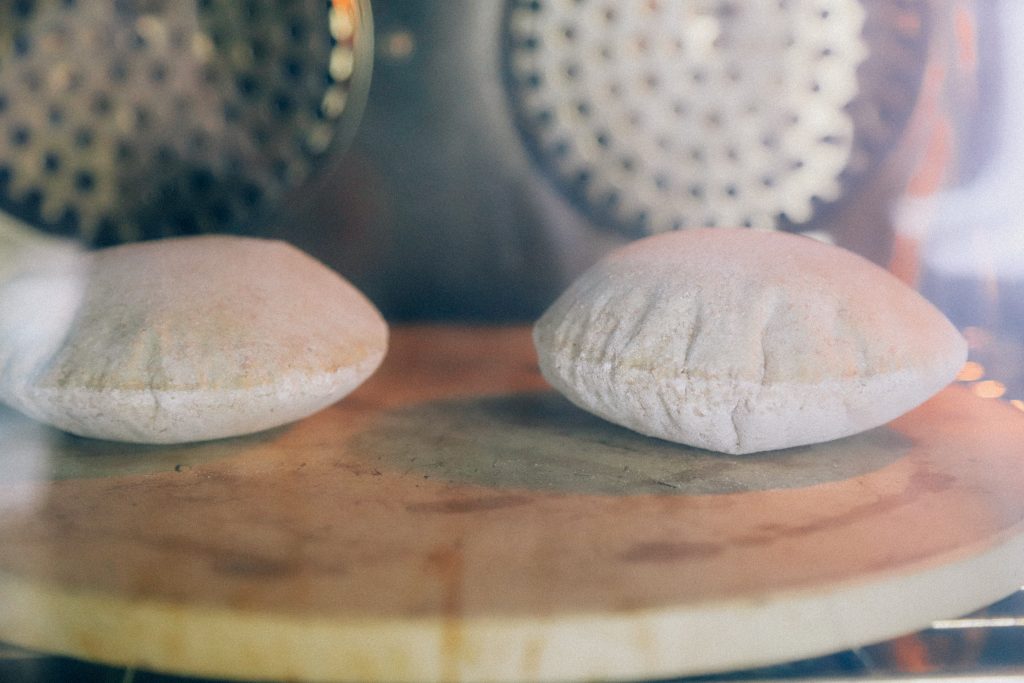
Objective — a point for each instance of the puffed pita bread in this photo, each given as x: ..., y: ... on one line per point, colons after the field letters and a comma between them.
x: 183, y: 339
x: 741, y: 341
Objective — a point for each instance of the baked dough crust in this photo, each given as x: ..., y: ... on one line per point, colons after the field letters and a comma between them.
x: 744, y: 340
x: 185, y: 339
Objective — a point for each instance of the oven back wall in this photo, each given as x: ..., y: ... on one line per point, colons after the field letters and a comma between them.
x: 436, y: 211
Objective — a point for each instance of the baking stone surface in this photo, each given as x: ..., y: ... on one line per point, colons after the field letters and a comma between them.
x: 454, y: 519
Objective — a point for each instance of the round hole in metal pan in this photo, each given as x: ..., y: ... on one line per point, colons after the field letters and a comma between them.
x: 109, y: 112
x: 715, y: 93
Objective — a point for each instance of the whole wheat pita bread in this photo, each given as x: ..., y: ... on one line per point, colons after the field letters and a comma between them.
x: 183, y: 339
x: 741, y: 340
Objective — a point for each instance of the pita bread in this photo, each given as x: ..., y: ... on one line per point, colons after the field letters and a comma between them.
x: 741, y: 341
x: 183, y: 339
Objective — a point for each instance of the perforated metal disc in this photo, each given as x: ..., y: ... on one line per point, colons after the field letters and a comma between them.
x: 655, y: 115
x: 134, y: 119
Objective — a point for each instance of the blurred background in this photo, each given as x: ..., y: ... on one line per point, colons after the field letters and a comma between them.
x: 507, y: 145
x: 464, y: 160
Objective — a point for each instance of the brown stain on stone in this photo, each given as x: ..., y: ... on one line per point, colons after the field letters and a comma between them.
x: 456, y: 506
x: 533, y: 656
x: 929, y: 481
x: 922, y: 482
x: 679, y: 551
x: 447, y: 563
x: 253, y: 566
